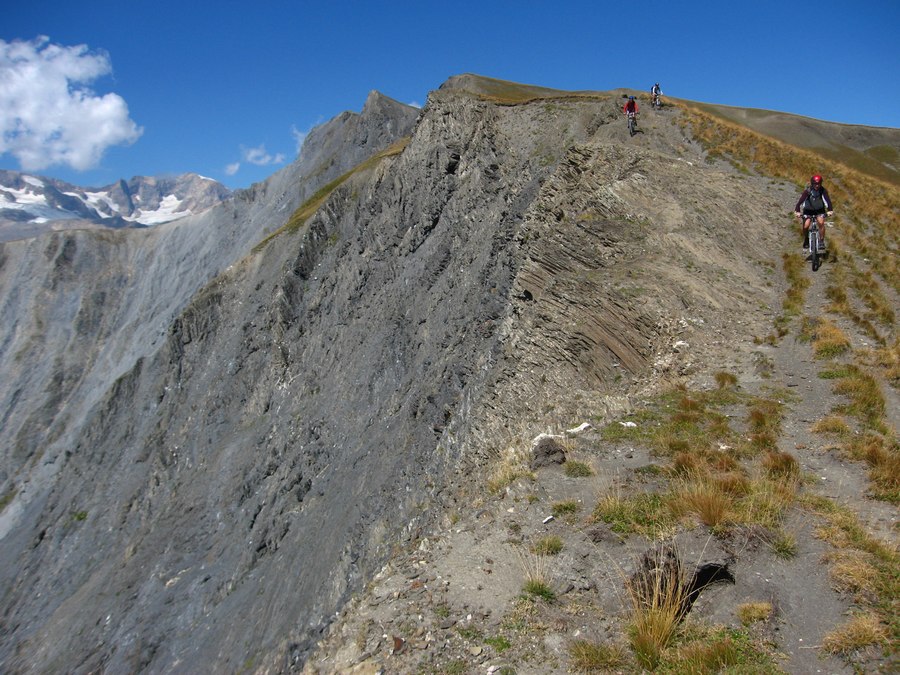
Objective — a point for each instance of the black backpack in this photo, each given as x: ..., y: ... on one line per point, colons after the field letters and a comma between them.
x: 815, y: 199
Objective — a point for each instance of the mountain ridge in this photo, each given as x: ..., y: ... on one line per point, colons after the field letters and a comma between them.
x: 291, y: 416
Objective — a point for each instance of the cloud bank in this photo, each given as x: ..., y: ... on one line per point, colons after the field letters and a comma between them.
x: 48, y: 114
x: 258, y: 156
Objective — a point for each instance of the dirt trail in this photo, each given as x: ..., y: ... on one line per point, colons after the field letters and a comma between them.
x: 818, y: 607
x: 838, y: 478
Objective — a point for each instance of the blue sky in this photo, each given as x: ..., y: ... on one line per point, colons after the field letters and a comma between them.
x: 94, y: 91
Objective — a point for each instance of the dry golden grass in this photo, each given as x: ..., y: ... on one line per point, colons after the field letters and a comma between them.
x: 512, y: 465
x: 725, y: 380
x: 732, y: 483
x: 699, y: 494
x: 829, y: 340
x: 655, y: 616
x: 841, y: 528
x: 832, y: 424
x: 852, y: 571
x: 765, y: 416
x: 534, y: 569
x: 754, y: 612
x: 860, y: 631
x: 883, y: 457
x: 798, y: 283
x: 688, y: 463
x: 781, y: 464
x: 592, y: 657
x: 866, y: 400
x: 767, y: 500
x: 887, y: 360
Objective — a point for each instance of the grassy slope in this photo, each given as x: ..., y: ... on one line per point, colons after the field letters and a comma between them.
x: 870, y: 150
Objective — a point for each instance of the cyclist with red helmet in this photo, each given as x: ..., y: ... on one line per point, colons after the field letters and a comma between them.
x: 814, y: 203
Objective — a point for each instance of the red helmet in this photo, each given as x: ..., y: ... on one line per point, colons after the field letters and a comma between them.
x: 816, y: 180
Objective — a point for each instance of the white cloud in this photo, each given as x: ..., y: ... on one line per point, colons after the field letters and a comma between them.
x: 260, y: 157
x: 232, y: 168
x: 48, y: 114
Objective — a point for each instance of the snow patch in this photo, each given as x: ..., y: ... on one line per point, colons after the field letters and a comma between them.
x: 167, y: 211
x: 26, y: 197
x: 97, y: 200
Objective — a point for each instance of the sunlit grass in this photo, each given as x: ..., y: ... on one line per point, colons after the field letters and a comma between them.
x: 829, y: 340
x: 860, y: 631
x: 592, y: 657
x: 866, y: 401
x: 754, y: 612
x: 881, y: 600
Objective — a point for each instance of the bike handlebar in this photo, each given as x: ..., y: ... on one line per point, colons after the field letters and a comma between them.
x: 797, y: 214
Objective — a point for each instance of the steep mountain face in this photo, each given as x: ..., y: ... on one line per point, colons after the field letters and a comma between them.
x: 82, y: 308
x: 208, y: 450
x: 79, y: 308
x: 32, y: 205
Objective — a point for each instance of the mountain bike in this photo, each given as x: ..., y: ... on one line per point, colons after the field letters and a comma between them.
x: 814, y: 242
x: 632, y: 123
x: 816, y: 252
x: 656, y: 102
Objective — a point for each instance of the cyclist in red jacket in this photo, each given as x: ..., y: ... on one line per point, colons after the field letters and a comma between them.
x: 814, y: 203
x: 630, y: 106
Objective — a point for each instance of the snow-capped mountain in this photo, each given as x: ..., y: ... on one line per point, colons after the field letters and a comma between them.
x: 30, y: 205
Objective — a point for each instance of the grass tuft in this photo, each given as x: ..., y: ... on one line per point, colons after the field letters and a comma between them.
x: 565, y: 508
x: 512, y: 466
x: 829, y: 340
x: 860, y: 631
x: 754, y: 612
x: 591, y: 657
x: 575, y: 469
x: 550, y: 545
x: 657, y: 594
x: 725, y: 380
x: 781, y: 464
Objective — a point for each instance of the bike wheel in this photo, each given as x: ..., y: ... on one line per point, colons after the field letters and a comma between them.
x: 814, y: 247
x: 631, y: 126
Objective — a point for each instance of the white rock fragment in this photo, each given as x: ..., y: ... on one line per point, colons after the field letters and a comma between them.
x: 580, y: 429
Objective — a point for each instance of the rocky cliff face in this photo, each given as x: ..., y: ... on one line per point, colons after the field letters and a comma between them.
x: 199, y: 488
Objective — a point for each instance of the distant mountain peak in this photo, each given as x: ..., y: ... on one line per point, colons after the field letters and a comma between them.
x: 31, y: 205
